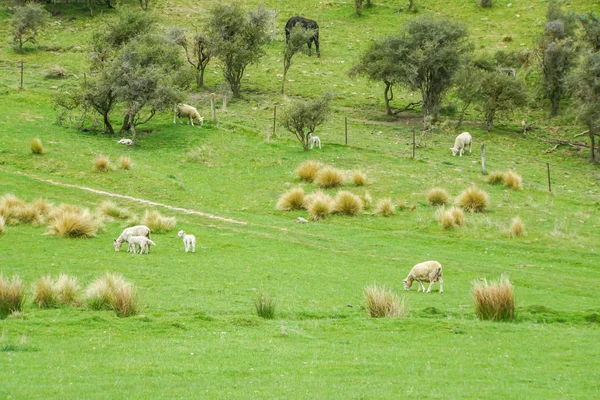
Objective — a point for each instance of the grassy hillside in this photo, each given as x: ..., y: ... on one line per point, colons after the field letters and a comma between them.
x: 197, y: 334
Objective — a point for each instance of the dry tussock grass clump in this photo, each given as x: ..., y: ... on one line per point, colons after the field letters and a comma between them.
x: 112, y: 292
x: 45, y: 294
x: 265, y: 306
x: 359, y: 178
x: 125, y: 162
x: 319, y: 206
x: 69, y: 221
x: 110, y: 209
x: 11, y: 208
x: 42, y: 206
x: 68, y: 289
x: 329, y: 177
x: 385, y: 207
x: 517, y: 228
x: 367, y: 200
x: 496, y: 178
x: 36, y: 146
x: 445, y: 218
x: 12, y: 295
x: 494, y: 301
x: 458, y: 215
x: 347, y: 203
x: 157, y: 222
x: 438, y: 197
x: 513, y: 180
x: 382, y: 302
x: 307, y: 171
x: 293, y: 199
x: 2, y: 225
x: 102, y: 164
x: 473, y: 200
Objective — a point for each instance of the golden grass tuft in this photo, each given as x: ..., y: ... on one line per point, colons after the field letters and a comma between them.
x: 101, y: 164
x: 12, y: 295
x: 445, y: 218
x: 68, y: 289
x: 496, y: 178
x: 367, y: 200
x: 385, y: 207
x: 36, y: 146
x: 347, y: 203
x: 307, y: 171
x: 513, y: 180
x: 458, y: 215
x: 125, y: 162
x: 70, y: 221
x: 437, y: 197
x: 382, y: 302
x: 110, y: 209
x: 319, y: 206
x: 293, y: 199
x: 157, y: 222
x: 112, y: 292
x: 11, y: 208
x: 517, y: 228
x: 329, y: 177
x: 2, y: 225
x: 474, y: 200
x: 42, y: 206
x: 45, y: 294
x: 265, y: 306
x: 359, y: 178
x: 126, y: 300
x: 494, y: 301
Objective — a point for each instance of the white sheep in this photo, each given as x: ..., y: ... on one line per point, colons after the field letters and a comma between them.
x: 184, y: 110
x: 140, y: 241
x: 188, y: 241
x: 314, y: 141
x: 127, y: 142
x: 138, y: 230
x: 428, y: 271
x: 461, y: 142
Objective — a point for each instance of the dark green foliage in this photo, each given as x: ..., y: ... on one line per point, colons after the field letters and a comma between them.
x: 26, y: 22
x: 303, y: 117
x: 197, y: 50
x: 586, y: 86
x: 591, y: 30
x: 486, y: 3
x: 499, y: 92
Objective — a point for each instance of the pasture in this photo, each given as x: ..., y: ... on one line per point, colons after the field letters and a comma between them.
x: 197, y: 334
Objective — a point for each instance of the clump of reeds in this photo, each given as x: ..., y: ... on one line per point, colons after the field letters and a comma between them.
x: 157, y: 222
x: 36, y: 146
x: 307, y: 171
x: 473, y: 200
x: 347, y: 203
x: 102, y: 164
x: 494, y: 301
x: 517, y: 228
x: 329, y: 177
x: 45, y: 294
x: 437, y: 197
x: 265, y: 306
x: 125, y: 162
x: 112, y: 292
x: 12, y: 295
x: 513, y: 180
x: 385, y: 207
x: 382, y: 302
x: 359, y: 178
x: 319, y: 206
x: 71, y: 221
x: 293, y: 199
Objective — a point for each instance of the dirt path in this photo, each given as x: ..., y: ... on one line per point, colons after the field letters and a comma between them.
x: 136, y: 199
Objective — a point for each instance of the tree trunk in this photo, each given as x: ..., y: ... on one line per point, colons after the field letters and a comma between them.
x: 592, y: 147
x: 200, y: 77
x: 126, y: 123
x: 388, y: 96
x: 462, y: 114
x: 107, y: 125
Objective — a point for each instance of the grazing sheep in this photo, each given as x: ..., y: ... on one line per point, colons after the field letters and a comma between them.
x: 184, y: 110
x: 461, y: 142
x: 314, y: 140
x: 428, y: 271
x: 188, y: 241
x: 138, y: 230
x: 127, y: 142
x: 140, y: 241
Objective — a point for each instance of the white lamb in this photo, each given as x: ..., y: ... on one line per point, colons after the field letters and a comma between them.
x: 461, y: 142
x: 140, y: 241
x: 138, y: 230
x: 428, y: 271
x: 127, y: 142
x: 188, y: 241
x: 187, y: 111
x: 314, y: 141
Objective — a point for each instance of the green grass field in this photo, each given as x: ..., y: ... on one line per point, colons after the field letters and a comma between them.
x: 197, y: 334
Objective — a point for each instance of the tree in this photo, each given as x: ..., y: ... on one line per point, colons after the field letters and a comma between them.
x: 200, y: 53
x: 586, y: 86
x: 303, y: 117
x: 237, y: 38
x: 468, y: 84
x: 101, y: 95
x: 26, y: 22
x: 499, y: 92
x: 297, y: 39
x: 591, y: 29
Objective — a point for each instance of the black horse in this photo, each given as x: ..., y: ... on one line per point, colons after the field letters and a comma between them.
x: 306, y: 24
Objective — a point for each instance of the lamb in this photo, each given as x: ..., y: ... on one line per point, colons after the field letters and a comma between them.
x: 138, y: 230
x: 188, y: 241
x: 184, y: 110
x: 140, y: 241
x: 428, y: 271
x: 127, y: 142
x: 314, y: 140
x: 461, y: 142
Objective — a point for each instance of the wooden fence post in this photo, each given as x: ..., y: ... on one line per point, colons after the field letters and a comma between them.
x: 483, y: 171
x: 346, y: 129
x: 549, y: 184
x: 212, y: 107
x: 274, y: 119
x: 21, y: 67
x: 414, y: 142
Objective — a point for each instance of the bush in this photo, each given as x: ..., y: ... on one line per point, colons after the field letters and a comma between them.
x: 385, y: 207
x: 112, y: 292
x: 37, y: 147
x: 45, y: 294
x: 12, y: 295
x: 307, y: 171
x: 517, y: 228
x: 67, y: 289
x: 437, y: 197
x: 512, y: 180
x: 359, y: 178
x: 347, y: 203
x: 102, y: 164
x: 496, y: 178
x: 125, y: 163
x: 494, y: 301
x: 265, y: 306
x: 473, y: 200
x: 158, y: 223
x: 319, y: 206
x: 70, y: 221
x: 329, y: 177
x: 293, y: 199
x: 382, y: 302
